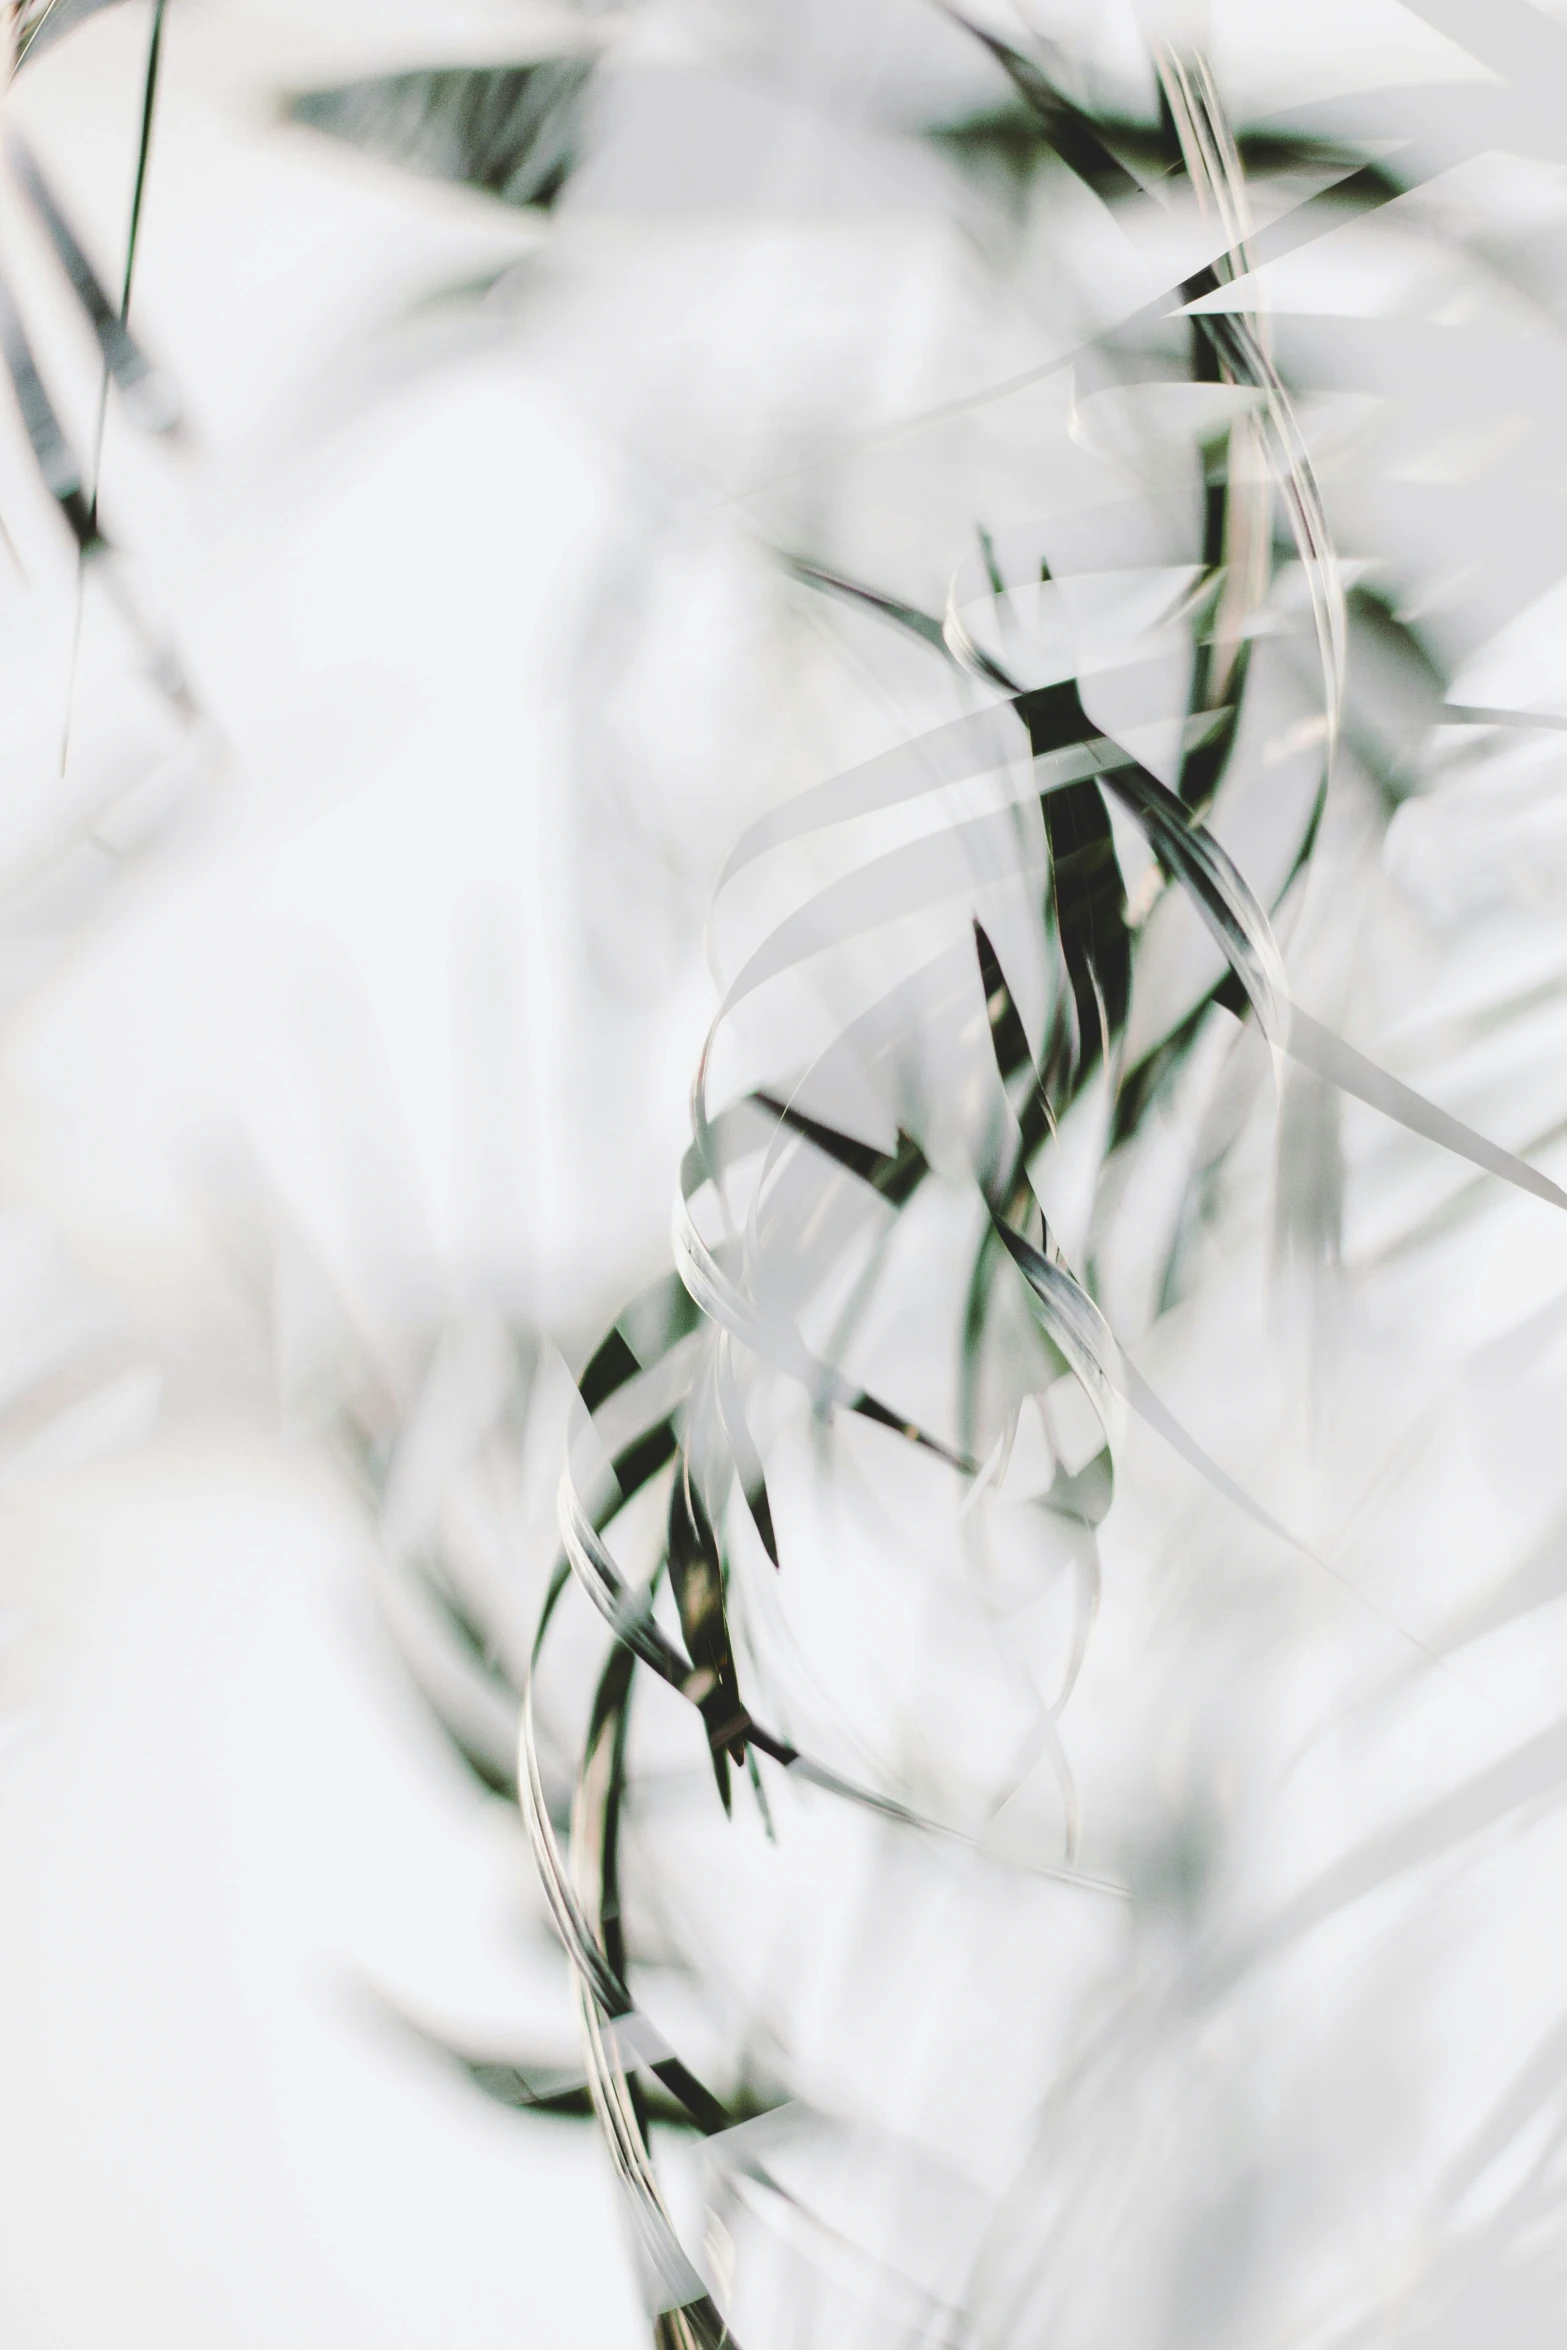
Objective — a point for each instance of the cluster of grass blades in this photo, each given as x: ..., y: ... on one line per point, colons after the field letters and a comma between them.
x: 1011, y: 991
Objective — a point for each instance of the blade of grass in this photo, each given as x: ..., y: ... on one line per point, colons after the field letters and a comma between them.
x: 149, y: 98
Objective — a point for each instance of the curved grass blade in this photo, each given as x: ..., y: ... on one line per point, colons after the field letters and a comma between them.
x: 677, y: 2296
x: 1316, y: 1047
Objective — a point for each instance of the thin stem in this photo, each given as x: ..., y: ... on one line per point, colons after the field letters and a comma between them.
x: 149, y: 97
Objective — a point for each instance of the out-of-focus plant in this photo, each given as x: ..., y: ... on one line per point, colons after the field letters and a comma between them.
x: 965, y: 1986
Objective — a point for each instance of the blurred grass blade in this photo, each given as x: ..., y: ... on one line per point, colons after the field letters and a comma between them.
x: 511, y: 131
x: 40, y: 23
x: 52, y: 453
x: 149, y: 396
